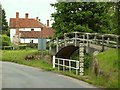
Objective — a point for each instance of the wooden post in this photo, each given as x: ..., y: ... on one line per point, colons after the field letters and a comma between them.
x: 50, y: 48
x: 65, y: 39
x: 57, y: 44
x: 53, y: 61
x: 87, y: 40
x: 95, y: 37
x: 76, y: 38
x: 103, y: 43
x: 87, y: 49
x: 117, y: 40
x: 108, y: 41
x: 83, y: 39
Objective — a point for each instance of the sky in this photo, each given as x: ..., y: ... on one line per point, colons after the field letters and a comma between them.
x: 35, y: 8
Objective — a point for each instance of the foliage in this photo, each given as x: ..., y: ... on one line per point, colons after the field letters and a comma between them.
x: 4, y: 22
x: 83, y: 17
x: 0, y: 19
x: 118, y: 17
x: 5, y: 40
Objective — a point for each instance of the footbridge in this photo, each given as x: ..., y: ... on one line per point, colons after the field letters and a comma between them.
x: 61, y: 48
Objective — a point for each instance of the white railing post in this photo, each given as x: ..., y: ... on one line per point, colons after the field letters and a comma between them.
x: 58, y: 64
x: 76, y: 38
x: 103, y: 40
x: 53, y: 61
x: 87, y: 40
x: 83, y: 39
x: 108, y: 41
x: 63, y: 65
x: 117, y: 41
x: 77, y: 67
x: 65, y: 39
x: 69, y: 66
x: 57, y: 44
x: 95, y: 39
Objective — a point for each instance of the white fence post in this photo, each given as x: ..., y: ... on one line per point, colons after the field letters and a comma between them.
x: 63, y: 65
x: 53, y: 61
x: 77, y: 67
x: 58, y: 64
x: 69, y: 66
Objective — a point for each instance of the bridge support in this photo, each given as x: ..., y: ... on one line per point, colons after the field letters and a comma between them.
x: 81, y: 59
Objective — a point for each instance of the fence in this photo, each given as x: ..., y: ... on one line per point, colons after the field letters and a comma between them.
x: 66, y: 64
x: 89, y: 39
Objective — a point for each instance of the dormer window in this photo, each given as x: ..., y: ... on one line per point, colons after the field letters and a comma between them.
x: 32, y: 29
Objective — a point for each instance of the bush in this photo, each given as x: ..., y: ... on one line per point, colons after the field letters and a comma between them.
x: 5, y: 40
x: 22, y: 46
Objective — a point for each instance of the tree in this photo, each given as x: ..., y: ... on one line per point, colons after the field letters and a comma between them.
x: 4, y: 22
x: 82, y: 16
x: 0, y: 19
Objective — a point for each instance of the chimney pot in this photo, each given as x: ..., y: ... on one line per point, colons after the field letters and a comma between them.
x: 48, y: 23
x: 26, y: 15
x: 37, y: 18
x: 17, y: 14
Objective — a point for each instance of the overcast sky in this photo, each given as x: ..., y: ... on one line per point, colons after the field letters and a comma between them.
x: 35, y: 8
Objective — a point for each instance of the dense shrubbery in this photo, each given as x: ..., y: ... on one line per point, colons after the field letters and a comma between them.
x: 5, y: 40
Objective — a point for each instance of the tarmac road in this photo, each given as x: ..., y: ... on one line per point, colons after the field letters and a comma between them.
x: 21, y: 76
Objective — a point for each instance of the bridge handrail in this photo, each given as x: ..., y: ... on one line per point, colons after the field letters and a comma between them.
x: 108, y: 40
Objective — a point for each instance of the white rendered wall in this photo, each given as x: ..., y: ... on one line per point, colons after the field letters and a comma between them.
x: 29, y: 29
x: 27, y: 40
x: 12, y: 33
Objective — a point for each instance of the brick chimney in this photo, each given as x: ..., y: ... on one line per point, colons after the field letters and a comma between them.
x: 48, y: 23
x: 26, y: 15
x: 17, y: 23
x: 17, y: 15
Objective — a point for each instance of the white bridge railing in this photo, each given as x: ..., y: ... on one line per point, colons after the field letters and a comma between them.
x: 66, y: 64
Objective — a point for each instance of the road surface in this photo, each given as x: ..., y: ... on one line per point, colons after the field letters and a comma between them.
x: 21, y: 76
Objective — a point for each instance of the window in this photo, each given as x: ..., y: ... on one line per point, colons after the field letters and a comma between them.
x: 32, y: 29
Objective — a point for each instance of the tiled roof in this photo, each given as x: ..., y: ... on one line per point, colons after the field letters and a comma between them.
x: 25, y: 23
x: 45, y: 33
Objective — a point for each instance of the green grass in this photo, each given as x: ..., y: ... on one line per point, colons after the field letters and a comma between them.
x: 108, y: 63
x: 18, y: 56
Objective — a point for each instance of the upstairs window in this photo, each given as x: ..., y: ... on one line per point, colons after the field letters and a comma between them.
x: 32, y: 29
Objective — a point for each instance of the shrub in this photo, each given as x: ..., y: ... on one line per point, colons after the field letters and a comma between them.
x: 5, y: 40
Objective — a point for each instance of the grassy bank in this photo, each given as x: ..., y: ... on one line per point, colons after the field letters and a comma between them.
x: 108, y: 64
x: 18, y: 56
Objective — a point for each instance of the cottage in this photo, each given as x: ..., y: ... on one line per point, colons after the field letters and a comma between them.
x: 26, y: 30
